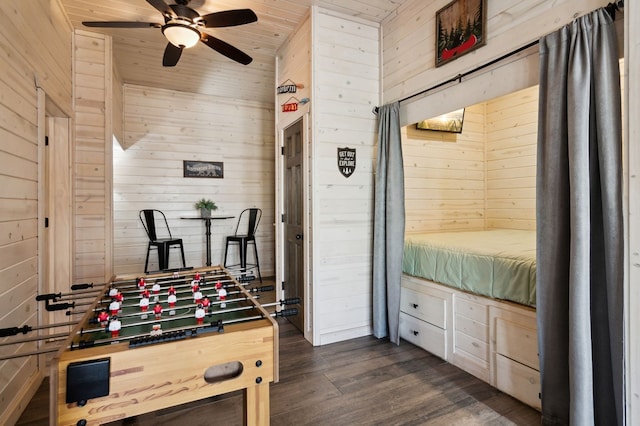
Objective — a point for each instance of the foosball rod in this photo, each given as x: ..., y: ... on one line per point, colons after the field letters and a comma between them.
x: 230, y: 293
x: 176, y: 308
x: 12, y: 331
x: 35, y: 338
x: 183, y: 285
x: 291, y: 301
x: 38, y: 352
x: 282, y: 313
x: 169, y: 279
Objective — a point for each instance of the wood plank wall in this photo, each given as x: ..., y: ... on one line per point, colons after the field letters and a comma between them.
x: 293, y: 63
x: 27, y: 58
x: 445, y: 176
x: 511, y: 143
x: 409, y: 40
x: 345, y: 76
x: 92, y: 179
x: 163, y: 128
x: 480, y: 179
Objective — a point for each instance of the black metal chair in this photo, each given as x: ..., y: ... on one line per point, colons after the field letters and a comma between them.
x: 244, y: 235
x: 159, y: 237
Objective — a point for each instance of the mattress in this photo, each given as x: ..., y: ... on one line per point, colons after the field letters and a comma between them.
x: 499, y: 263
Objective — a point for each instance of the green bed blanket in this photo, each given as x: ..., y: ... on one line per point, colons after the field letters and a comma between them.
x: 499, y: 263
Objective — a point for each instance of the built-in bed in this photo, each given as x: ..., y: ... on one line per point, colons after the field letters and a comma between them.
x: 469, y: 297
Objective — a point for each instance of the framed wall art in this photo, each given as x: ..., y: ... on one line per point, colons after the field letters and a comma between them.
x: 203, y: 169
x: 460, y: 29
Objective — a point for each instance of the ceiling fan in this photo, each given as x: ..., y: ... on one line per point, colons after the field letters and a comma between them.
x: 183, y: 27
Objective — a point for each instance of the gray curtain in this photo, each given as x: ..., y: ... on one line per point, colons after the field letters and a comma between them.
x: 388, y: 233
x: 579, y: 225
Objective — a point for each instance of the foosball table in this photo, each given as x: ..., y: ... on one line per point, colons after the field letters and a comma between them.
x: 156, y: 341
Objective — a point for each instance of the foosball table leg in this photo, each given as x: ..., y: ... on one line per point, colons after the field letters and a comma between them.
x: 256, y: 405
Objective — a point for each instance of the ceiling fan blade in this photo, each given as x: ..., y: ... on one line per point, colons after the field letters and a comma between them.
x: 226, y: 49
x: 229, y: 18
x: 171, y: 55
x: 162, y: 7
x: 121, y: 24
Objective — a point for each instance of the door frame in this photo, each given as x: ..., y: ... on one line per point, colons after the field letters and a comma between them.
x: 304, y: 114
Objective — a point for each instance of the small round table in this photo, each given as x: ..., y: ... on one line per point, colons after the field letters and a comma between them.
x: 207, y: 225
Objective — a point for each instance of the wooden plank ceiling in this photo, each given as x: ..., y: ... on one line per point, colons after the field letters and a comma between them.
x: 138, y: 52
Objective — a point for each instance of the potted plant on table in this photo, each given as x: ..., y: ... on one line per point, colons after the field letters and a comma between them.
x: 205, y: 206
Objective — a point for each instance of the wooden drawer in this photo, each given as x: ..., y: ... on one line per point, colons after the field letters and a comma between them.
x: 472, y: 346
x: 472, y: 310
x: 427, y: 307
x: 517, y: 341
x: 518, y: 380
x: 472, y: 327
x: 423, y: 334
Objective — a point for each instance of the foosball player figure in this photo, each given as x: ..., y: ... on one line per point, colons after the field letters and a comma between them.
x: 156, y: 292
x: 195, y: 287
x: 222, y: 297
x: 172, y: 299
x: 157, y: 310
x: 197, y: 297
x: 114, y: 306
x: 156, y: 330
x: 200, y: 313
x: 206, y: 303
x: 119, y: 297
x: 144, y: 307
x: 103, y: 318
x: 145, y: 293
x: 171, y: 291
x: 141, y: 284
x: 113, y: 290
x: 218, y: 285
x: 197, y: 277
x: 114, y: 327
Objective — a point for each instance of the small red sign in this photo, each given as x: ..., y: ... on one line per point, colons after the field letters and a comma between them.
x: 293, y: 106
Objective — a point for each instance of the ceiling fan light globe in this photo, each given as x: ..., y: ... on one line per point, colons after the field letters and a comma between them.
x: 181, y: 35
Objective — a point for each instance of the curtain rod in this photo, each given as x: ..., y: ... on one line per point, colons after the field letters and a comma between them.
x: 611, y: 9
x: 459, y: 77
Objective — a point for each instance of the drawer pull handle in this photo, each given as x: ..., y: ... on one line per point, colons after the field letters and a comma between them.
x: 414, y: 332
x: 414, y: 305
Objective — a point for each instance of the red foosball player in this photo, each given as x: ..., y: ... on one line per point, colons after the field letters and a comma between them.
x: 141, y: 284
x: 197, y: 297
x: 171, y: 291
x: 195, y: 287
x: 222, y: 296
x: 114, y: 307
x: 145, y: 293
x: 197, y: 276
x: 218, y: 285
x: 206, y: 303
x: 103, y: 318
x: 200, y: 313
x: 114, y: 327
x: 119, y: 297
x: 157, y: 310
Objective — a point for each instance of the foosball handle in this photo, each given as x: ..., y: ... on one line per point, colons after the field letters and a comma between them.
x: 287, y: 312
x: 264, y: 288
x: 81, y: 286
x: 60, y: 306
x: 48, y: 296
x: 290, y: 301
x: 12, y: 331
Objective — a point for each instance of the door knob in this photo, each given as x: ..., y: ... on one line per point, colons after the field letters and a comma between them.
x: 298, y: 236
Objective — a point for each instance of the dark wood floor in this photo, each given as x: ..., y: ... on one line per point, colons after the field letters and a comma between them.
x: 364, y: 381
